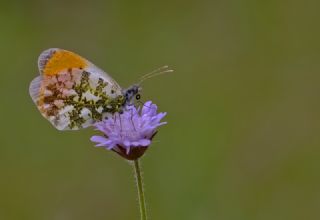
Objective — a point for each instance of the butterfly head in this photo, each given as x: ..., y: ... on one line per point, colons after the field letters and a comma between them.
x: 132, y: 93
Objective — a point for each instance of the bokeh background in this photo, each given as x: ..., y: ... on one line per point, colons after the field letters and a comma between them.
x: 242, y: 140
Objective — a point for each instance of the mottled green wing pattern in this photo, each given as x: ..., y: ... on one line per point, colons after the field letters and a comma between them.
x: 75, y: 98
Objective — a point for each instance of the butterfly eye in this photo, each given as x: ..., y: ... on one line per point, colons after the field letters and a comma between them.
x: 138, y: 96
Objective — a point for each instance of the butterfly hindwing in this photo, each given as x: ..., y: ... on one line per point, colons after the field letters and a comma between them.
x: 71, y: 92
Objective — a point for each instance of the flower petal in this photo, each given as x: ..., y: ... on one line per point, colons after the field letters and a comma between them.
x: 99, y: 139
x: 133, y: 128
x: 144, y: 142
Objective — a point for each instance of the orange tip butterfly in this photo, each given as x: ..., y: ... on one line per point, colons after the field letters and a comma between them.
x: 72, y: 93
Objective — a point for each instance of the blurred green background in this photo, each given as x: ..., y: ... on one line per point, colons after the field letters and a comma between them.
x: 242, y: 140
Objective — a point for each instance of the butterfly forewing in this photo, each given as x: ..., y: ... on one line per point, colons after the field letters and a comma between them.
x: 71, y: 92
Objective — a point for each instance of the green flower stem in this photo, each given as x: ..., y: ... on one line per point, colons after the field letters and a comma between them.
x: 142, y: 202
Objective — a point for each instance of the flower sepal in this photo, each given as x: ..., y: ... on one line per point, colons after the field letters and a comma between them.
x: 134, y: 153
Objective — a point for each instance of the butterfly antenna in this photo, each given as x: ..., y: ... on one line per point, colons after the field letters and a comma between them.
x: 157, y: 72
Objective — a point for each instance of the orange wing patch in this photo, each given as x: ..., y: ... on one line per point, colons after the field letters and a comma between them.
x: 63, y: 60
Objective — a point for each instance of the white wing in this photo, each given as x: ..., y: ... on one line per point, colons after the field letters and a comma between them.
x: 71, y: 92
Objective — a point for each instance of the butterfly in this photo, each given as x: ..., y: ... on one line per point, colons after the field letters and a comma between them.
x: 72, y: 93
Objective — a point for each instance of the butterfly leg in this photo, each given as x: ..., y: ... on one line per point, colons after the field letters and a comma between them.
x: 141, y: 103
x: 114, y: 116
x: 120, y: 121
x: 131, y: 118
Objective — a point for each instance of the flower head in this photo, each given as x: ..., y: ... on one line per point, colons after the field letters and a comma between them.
x: 130, y: 133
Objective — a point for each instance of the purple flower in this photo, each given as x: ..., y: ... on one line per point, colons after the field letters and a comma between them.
x: 129, y: 134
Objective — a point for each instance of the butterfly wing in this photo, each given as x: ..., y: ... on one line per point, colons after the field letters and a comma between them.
x: 71, y: 92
